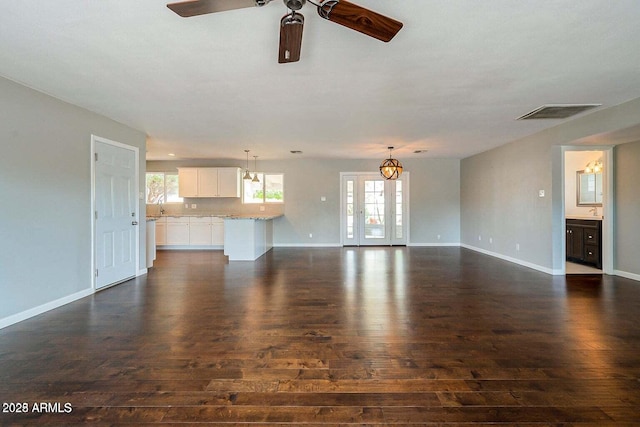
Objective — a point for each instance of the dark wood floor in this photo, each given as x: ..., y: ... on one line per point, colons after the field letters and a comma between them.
x: 344, y: 336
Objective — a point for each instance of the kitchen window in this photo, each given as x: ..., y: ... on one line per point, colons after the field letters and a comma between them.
x: 270, y: 188
x: 162, y: 187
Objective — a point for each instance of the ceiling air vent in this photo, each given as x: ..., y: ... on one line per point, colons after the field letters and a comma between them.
x: 557, y: 111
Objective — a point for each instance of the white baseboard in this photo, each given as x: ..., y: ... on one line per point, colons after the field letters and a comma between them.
x: 142, y: 272
x: 19, y: 317
x: 627, y: 275
x: 432, y: 245
x: 514, y: 260
x: 307, y: 245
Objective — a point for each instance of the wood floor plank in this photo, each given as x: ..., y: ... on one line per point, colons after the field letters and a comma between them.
x: 333, y: 337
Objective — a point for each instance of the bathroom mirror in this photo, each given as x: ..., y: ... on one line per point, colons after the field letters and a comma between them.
x: 589, y: 186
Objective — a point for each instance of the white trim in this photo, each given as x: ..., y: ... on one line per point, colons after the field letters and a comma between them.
x: 136, y: 151
x: 190, y: 247
x: 308, y: 245
x: 32, y: 312
x: 626, y: 275
x: 433, y: 245
x: 514, y: 260
x: 142, y: 272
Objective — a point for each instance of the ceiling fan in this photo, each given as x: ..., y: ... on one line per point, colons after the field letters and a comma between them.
x: 341, y: 12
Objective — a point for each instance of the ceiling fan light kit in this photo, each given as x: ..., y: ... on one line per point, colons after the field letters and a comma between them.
x: 341, y: 12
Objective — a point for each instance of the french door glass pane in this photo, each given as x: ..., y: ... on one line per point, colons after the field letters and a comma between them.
x: 399, y: 228
x: 374, y: 205
x: 350, y: 209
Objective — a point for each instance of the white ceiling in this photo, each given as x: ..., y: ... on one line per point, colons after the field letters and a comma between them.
x: 452, y: 81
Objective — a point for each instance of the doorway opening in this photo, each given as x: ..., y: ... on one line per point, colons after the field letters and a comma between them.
x: 587, y: 207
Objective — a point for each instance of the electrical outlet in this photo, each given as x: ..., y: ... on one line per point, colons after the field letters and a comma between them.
x: 438, y: 237
x: 186, y: 205
x: 540, y: 193
x: 262, y: 208
x: 193, y: 206
x: 517, y: 246
x: 323, y: 199
x: 311, y: 235
x: 490, y: 239
x: 479, y: 237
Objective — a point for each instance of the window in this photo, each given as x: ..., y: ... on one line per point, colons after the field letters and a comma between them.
x: 270, y: 189
x: 162, y: 187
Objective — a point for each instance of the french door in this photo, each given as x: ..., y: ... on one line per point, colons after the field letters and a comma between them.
x: 374, y: 210
x: 116, y: 213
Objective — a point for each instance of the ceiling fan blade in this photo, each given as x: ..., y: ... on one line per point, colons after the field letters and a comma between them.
x: 360, y: 19
x: 202, y: 7
x: 290, y: 38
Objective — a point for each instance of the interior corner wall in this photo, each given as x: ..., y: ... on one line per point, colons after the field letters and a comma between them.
x: 45, y: 188
x: 627, y: 210
x: 499, y: 196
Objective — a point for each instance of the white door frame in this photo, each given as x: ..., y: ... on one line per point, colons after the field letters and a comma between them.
x: 358, y: 219
x: 608, y: 202
x: 95, y: 139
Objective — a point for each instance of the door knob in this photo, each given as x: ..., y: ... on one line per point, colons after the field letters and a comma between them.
x: 134, y: 223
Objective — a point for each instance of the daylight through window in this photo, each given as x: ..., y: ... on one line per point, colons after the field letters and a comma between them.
x: 162, y: 187
x: 270, y: 189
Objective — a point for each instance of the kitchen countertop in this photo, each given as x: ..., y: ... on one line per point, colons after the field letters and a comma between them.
x: 226, y: 216
x: 254, y: 216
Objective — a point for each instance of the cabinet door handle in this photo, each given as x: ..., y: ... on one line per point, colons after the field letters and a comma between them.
x: 590, y: 253
x: 590, y: 236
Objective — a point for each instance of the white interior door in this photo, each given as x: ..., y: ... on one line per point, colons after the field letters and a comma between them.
x: 374, y: 210
x: 116, y: 217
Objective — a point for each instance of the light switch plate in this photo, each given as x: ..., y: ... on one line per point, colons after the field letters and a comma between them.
x: 540, y: 193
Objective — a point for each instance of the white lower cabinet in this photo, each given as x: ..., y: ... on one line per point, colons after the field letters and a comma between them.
x: 161, y: 231
x: 217, y: 231
x: 177, y: 231
x: 200, y: 231
x: 204, y: 231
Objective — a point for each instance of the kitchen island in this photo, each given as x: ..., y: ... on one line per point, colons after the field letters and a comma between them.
x: 248, y: 237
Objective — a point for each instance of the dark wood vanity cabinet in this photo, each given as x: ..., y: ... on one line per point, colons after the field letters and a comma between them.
x: 584, y: 241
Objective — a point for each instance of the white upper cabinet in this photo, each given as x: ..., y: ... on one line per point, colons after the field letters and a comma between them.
x: 188, y: 182
x: 229, y: 182
x: 209, y: 182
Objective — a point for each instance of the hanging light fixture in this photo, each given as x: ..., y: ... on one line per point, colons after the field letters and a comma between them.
x: 255, y: 168
x: 247, y: 175
x: 391, y: 168
x: 594, y: 166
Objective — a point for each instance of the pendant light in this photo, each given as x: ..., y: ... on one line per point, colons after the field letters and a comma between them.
x: 255, y: 168
x: 246, y: 172
x: 391, y: 168
x: 594, y: 166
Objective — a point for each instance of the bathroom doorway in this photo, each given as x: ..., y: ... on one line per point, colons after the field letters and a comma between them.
x: 587, y: 210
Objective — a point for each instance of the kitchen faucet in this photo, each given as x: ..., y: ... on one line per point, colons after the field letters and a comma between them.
x: 161, y: 208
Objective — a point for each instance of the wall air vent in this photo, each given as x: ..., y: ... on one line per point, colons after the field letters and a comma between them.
x: 557, y: 111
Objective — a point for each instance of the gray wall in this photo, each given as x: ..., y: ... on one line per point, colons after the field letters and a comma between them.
x: 434, y: 198
x: 45, y: 188
x: 500, y: 203
x: 627, y: 213
x: 499, y: 189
